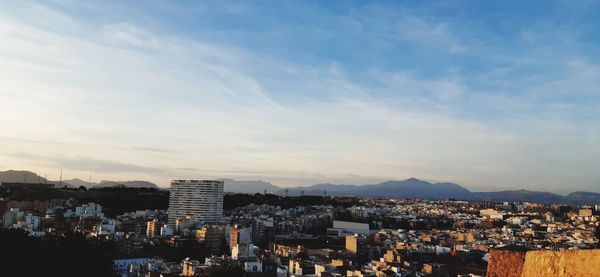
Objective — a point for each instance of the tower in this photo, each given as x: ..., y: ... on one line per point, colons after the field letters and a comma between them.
x: 202, y: 200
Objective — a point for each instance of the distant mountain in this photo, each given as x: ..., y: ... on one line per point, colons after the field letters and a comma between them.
x: 415, y: 188
x: 78, y: 182
x: 521, y: 195
x: 410, y: 188
x: 129, y: 184
x: 104, y: 184
x: 20, y: 176
x: 24, y: 176
x: 249, y: 187
x: 583, y: 197
x: 574, y: 198
x: 333, y: 187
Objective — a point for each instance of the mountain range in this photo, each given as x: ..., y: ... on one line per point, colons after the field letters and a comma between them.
x: 409, y: 188
x: 104, y: 183
x: 23, y: 176
x: 415, y: 188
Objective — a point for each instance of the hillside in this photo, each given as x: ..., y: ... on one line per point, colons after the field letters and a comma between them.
x: 129, y: 184
x: 24, y: 176
x: 410, y: 188
x: 249, y: 187
x: 415, y: 188
x: 584, y: 197
x: 521, y: 195
x: 20, y: 176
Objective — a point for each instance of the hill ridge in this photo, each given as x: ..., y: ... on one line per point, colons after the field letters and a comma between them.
x: 409, y: 188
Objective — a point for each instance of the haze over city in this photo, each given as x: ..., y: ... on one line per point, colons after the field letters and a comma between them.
x: 486, y: 95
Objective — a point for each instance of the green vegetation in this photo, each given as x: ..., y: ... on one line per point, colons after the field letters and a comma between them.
x: 118, y: 200
x: 66, y: 255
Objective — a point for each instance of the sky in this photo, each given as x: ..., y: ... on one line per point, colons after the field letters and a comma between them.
x: 492, y: 95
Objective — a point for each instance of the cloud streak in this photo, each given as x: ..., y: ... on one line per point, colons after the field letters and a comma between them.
x: 84, y: 164
x: 363, y: 95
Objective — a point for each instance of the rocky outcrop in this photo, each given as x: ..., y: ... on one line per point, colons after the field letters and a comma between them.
x: 506, y: 263
x: 581, y: 263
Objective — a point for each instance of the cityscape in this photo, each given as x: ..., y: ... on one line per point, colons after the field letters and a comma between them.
x: 277, y: 138
x: 195, y: 228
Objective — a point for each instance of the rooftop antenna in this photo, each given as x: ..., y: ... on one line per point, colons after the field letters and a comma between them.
x: 60, y: 182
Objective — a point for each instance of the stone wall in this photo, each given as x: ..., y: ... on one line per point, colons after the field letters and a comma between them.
x: 584, y: 263
x: 562, y: 263
x: 505, y: 263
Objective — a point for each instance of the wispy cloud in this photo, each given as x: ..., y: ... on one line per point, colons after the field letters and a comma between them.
x: 434, y: 35
x: 155, y: 149
x: 362, y: 95
x: 86, y: 164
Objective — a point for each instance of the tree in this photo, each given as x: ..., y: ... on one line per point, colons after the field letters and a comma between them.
x: 67, y: 255
x: 228, y: 271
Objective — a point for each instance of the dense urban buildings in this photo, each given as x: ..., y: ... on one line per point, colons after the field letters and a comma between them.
x: 275, y: 235
x: 196, y: 200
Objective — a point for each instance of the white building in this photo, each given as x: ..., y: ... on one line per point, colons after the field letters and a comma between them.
x: 86, y: 210
x: 27, y: 222
x: 165, y: 230
x: 252, y: 266
x: 106, y: 228
x: 345, y: 228
x: 12, y: 216
x: 32, y: 221
x: 200, y: 199
x: 122, y: 265
x: 243, y: 251
x: 490, y: 213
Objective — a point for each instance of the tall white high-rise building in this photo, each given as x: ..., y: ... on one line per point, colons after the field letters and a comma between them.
x: 200, y: 199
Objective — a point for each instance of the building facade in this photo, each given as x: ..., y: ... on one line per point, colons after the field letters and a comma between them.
x: 202, y: 200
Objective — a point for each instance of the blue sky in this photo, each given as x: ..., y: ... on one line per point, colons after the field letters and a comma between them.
x: 492, y: 95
